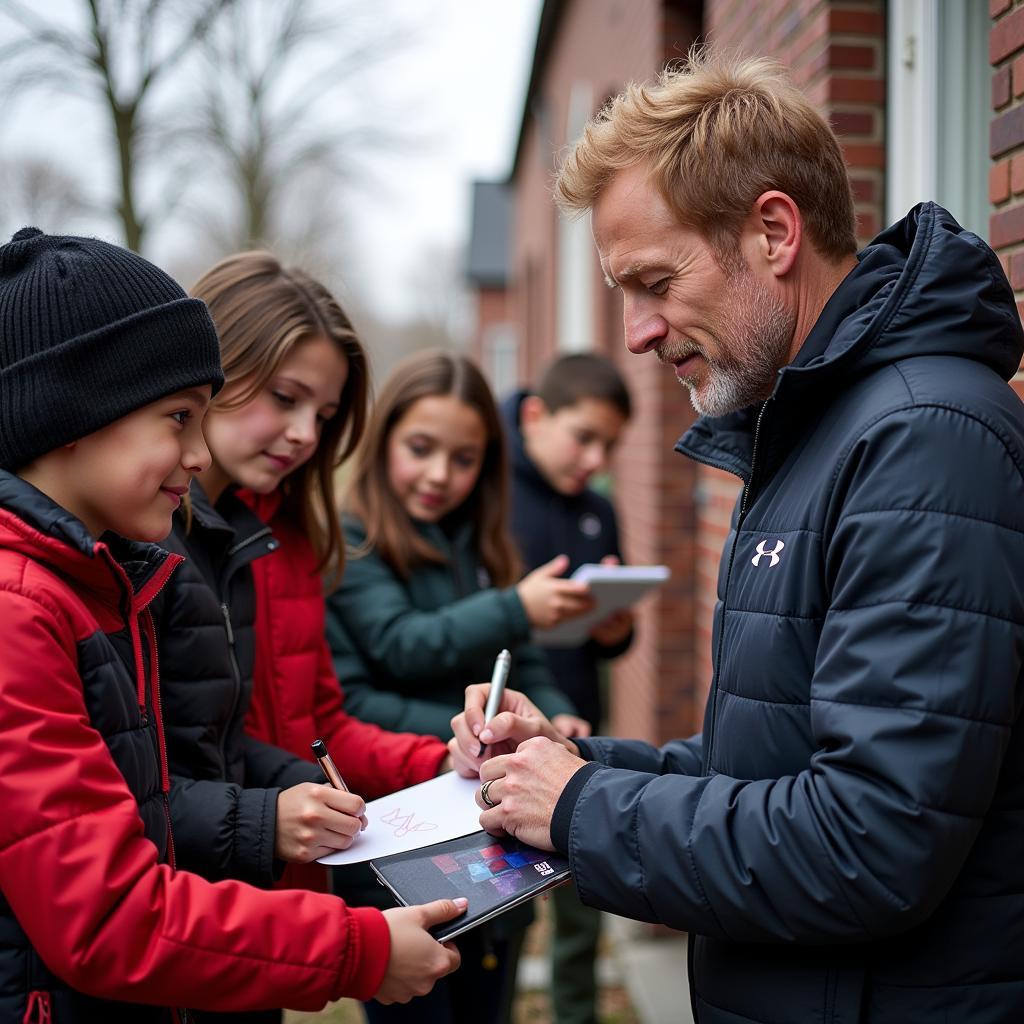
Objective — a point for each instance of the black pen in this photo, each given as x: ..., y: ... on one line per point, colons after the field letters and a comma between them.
x: 328, y: 767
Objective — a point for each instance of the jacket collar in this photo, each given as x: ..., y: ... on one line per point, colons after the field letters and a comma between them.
x: 925, y: 286
x: 110, y: 569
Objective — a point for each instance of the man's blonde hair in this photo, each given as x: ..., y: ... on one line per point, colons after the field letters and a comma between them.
x: 716, y: 133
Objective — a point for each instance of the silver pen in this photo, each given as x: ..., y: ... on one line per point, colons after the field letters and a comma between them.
x: 499, y: 677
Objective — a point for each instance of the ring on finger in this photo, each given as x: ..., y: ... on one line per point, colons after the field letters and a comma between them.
x: 485, y: 795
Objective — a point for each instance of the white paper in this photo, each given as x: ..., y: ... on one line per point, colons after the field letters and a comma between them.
x: 431, y: 812
x: 613, y: 587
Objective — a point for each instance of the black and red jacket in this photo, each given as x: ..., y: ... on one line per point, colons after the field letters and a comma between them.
x: 91, y: 907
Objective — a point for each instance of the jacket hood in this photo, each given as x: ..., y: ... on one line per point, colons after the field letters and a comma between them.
x: 521, y: 463
x: 923, y: 287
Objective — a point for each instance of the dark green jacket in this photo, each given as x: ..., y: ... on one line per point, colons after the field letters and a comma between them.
x: 405, y: 650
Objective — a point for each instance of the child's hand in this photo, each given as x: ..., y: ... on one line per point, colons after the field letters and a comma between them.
x: 314, y: 819
x: 613, y: 630
x: 548, y: 599
x: 417, y: 959
x: 572, y: 726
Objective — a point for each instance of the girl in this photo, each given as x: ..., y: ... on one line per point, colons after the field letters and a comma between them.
x: 292, y: 407
x: 430, y: 597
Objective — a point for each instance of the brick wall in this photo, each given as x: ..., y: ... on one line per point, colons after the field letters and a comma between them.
x: 1006, y: 145
x: 605, y: 43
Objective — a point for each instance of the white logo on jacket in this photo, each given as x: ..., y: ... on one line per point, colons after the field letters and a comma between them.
x: 773, y: 554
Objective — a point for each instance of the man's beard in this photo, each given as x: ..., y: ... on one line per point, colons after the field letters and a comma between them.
x: 754, y: 345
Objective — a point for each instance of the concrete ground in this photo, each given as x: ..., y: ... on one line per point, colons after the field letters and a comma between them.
x: 643, y: 980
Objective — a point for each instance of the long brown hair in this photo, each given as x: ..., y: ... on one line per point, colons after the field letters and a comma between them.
x: 262, y: 311
x: 388, y: 526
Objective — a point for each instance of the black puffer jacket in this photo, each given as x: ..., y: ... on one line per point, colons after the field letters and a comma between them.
x: 847, y: 843
x: 224, y: 796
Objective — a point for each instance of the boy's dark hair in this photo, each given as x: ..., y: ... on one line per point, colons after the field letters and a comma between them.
x: 571, y: 379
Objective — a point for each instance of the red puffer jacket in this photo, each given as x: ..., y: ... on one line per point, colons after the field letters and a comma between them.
x: 297, y: 698
x: 83, y: 895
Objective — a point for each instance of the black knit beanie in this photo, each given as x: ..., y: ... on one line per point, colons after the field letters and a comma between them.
x: 88, y: 333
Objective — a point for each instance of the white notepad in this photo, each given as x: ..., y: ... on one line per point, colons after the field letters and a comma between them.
x: 431, y: 812
x: 614, y: 587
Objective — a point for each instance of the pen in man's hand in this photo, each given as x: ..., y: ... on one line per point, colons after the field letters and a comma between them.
x: 328, y: 767
x: 499, y: 677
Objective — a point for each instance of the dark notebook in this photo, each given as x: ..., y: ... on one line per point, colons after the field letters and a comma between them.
x: 493, y: 874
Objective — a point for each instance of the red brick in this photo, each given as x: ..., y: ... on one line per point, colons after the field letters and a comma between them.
x: 864, y: 154
x: 863, y: 23
x: 999, y: 182
x: 852, y: 122
x: 996, y: 7
x: 1006, y: 131
x: 1001, y: 87
x: 867, y: 224
x: 1006, y: 227
x: 861, y: 57
x: 1016, y: 274
x: 1017, y: 175
x: 864, y: 189
x: 1006, y: 36
x: 856, y: 90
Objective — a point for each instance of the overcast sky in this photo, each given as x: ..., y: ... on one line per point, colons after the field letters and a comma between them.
x: 461, y: 85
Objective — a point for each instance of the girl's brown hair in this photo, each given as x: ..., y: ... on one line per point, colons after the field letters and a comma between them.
x: 262, y: 311
x: 388, y: 527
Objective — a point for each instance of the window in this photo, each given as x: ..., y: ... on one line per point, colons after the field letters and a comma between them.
x: 938, y: 109
x: 576, y: 257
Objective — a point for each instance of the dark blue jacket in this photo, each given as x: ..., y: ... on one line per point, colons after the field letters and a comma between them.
x: 546, y: 523
x: 847, y: 841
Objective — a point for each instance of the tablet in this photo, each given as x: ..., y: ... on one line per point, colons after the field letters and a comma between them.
x: 494, y: 874
x: 613, y: 587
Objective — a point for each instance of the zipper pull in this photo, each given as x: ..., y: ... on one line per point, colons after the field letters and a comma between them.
x: 226, y: 612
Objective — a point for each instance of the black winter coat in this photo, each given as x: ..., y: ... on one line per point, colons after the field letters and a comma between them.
x: 224, y: 797
x: 847, y: 842
x: 546, y: 523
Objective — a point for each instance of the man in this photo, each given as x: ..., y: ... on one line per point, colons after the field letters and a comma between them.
x: 846, y: 839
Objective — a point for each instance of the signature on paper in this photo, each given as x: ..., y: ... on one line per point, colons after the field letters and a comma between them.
x: 403, y: 824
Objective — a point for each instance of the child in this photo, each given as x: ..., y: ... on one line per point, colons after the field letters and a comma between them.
x: 429, y: 596
x: 106, y: 367
x: 560, y: 437
x: 293, y: 407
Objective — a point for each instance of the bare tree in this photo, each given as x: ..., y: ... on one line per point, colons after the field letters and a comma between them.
x: 34, y: 190
x: 120, y: 54
x: 288, y: 117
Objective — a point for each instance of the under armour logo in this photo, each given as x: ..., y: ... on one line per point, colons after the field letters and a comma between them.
x: 773, y: 554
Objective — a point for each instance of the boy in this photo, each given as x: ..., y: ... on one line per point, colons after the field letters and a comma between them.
x: 559, y: 438
x: 106, y: 368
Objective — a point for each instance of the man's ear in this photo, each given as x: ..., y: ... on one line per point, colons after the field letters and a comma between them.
x: 775, y: 228
x: 532, y: 410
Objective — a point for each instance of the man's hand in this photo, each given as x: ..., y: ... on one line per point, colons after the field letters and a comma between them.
x: 572, y: 726
x: 314, y: 819
x: 525, y: 786
x: 518, y: 719
x: 417, y: 959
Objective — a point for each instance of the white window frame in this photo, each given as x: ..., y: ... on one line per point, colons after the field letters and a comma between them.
x: 574, y: 315
x: 937, y: 114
